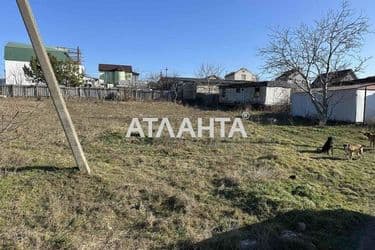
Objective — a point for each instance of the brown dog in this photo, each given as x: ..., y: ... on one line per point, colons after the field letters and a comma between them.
x: 371, y: 138
x: 351, y: 149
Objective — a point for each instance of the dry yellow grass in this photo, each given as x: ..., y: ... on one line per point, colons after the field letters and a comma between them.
x: 164, y: 193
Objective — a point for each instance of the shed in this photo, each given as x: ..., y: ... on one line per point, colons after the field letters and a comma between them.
x: 267, y: 93
x: 185, y: 87
x: 348, y: 103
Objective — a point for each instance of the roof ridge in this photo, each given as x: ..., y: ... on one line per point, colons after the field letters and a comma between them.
x: 29, y: 46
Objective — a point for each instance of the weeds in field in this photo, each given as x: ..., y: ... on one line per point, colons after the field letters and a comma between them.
x: 167, y: 193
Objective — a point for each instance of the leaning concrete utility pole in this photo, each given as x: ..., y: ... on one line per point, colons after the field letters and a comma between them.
x: 53, y: 86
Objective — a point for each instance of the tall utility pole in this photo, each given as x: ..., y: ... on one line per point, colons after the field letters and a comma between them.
x: 78, y: 55
x: 53, y: 86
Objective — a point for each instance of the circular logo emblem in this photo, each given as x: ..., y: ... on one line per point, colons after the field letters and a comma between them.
x: 245, y: 115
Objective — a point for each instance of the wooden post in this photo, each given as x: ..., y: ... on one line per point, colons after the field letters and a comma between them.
x: 53, y: 86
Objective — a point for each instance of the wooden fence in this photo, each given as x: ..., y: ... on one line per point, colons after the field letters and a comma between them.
x: 119, y: 94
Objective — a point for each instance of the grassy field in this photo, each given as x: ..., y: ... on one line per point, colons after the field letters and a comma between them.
x: 169, y: 193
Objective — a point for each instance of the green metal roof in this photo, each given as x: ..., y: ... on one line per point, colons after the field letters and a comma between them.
x: 24, y: 53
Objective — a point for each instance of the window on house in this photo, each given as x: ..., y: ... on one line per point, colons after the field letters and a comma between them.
x: 257, y: 92
x: 223, y: 93
x: 238, y: 90
x: 243, y: 76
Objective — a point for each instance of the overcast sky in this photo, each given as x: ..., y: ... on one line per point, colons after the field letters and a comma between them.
x: 152, y: 35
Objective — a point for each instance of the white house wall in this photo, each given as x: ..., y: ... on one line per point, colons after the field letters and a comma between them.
x: 370, y: 106
x: 248, y: 76
x: 14, y: 74
x: 342, y: 107
x: 302, y: 106
x: 277, y: 96
x: 242, y: 72
x: 360, y: 105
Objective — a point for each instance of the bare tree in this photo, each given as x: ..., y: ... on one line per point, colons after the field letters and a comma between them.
x: 332, y: 43
x: 206, y: 71
x: 171, y: 83
x: 153, y: 77
x: 16, y: 76
x: 153, y: 80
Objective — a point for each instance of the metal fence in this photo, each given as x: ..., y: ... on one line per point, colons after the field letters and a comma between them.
x: 119, y: 94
